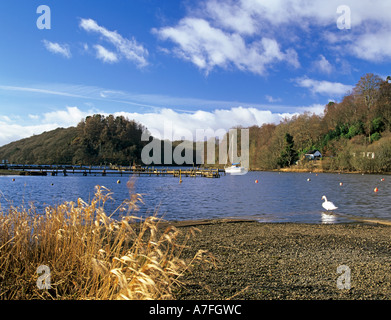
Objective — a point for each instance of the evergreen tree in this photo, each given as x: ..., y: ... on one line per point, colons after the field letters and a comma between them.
x: 288, y: 154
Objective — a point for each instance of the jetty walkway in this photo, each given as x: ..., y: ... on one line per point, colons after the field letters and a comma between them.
x: 65, y: 170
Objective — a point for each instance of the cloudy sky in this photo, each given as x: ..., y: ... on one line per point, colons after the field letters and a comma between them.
x: 200, y: 64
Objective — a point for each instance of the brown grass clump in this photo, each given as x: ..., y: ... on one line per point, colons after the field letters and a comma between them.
x: 88, y: 254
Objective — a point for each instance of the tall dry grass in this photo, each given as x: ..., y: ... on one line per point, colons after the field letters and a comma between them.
x: 91, y: 255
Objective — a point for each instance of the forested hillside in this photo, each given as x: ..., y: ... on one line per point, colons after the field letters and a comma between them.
x: 347, y: 135
x: 47, y: 148
x: 95, y: 140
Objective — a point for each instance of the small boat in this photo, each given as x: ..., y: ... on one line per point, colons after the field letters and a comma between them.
x: 236, y: 169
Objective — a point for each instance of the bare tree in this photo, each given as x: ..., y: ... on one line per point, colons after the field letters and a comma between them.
x: 367, y: 92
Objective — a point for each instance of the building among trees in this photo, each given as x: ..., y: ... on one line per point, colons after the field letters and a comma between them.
x: 313, y: 155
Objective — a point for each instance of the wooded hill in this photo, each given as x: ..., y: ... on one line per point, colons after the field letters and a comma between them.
x: 348, y: 131
x: 96, y: 140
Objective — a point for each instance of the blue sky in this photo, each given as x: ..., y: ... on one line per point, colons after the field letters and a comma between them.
x: 200, y: 64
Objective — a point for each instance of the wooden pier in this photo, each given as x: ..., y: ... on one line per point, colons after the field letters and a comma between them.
x: 59, y: 170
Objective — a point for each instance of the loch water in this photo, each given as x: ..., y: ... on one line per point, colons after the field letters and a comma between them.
x: 277, y: 197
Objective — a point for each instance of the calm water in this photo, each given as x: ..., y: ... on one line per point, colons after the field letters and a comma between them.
x: 278, y: 197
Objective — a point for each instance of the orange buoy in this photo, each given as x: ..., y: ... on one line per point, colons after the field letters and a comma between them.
x: 256, y: 181
x: 376, y: 189
x: 382, y: 179
x: 341, y: 184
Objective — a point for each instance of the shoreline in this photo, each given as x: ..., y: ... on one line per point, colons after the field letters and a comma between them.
x: 4, y: 172
x: 9, y: 173
x: 200, y: 222
x: 288, y: 261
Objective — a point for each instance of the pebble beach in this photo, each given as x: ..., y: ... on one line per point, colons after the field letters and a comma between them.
x: 267, y: 261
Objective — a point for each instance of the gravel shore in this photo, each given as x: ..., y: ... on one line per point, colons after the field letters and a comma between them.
x: 289, y: 261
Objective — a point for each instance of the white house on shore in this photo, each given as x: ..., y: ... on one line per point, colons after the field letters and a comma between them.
x: 313, y: 155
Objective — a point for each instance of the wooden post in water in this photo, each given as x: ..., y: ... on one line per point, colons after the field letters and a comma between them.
x: 180, y: 175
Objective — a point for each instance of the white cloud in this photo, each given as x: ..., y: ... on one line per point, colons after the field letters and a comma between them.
x: 71, y: 116
x: 5, y: 118
x: 271, y: 99
x: 40, y: 91
x: 218, y: 119
x: 371, y: 46
x: 111, y: 93
x: 105, y: 55
x: 323, y: 65
x: 209, y: 47
x: 61, y: 49
x: 317, y: 109
x: 304, y: 12
x: 33, y: 116
x: 126, y: 48
x: 245, y: 34
x: 12, y: 132
x: 326, y: 88
x: 232, y: 16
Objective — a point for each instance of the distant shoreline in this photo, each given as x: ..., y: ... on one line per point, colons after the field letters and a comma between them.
x: 4, y: 172
x: 9, y: 173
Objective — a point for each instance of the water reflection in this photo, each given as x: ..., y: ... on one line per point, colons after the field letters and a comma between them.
x: 328, y: 218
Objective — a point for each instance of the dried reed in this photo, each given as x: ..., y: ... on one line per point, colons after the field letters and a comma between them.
x: 89, y: 254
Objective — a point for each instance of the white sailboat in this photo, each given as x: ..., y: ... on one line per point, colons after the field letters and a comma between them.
x: 235, y: 168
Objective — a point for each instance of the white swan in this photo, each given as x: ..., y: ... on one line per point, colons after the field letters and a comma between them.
x: 328, y: 205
